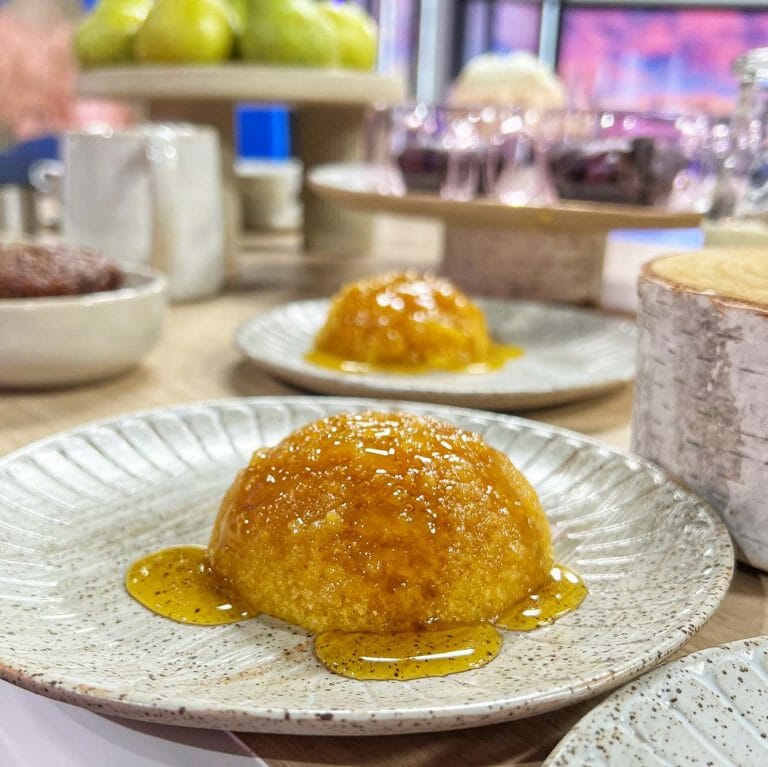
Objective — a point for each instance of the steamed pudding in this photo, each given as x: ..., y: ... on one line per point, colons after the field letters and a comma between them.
x: 405, y: 322
x: 404, y: 542
x: 381, y: 522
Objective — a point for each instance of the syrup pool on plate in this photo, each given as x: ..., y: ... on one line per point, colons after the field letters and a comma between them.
x: 498, y: 356
x: 178, y: 583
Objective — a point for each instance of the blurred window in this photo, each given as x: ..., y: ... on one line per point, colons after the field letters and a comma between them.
x: 398, y: 34
x: 658, y: 59
x: 501, y: 26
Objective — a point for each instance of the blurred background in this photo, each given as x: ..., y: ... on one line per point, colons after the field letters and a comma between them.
x: 628, y: 55
x: 670, y: 58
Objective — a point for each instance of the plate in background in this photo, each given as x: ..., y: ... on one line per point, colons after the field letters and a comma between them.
x: 569, y: 354
x: 77, y: 508
x: 709, y: 707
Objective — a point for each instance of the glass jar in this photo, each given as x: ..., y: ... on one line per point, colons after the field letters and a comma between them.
x: 749, y: 155
x: 739, y: 215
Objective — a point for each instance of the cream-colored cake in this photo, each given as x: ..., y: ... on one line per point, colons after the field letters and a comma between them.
x: 738, y: 273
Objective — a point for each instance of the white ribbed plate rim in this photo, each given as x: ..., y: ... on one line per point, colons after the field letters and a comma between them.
x: 78, y: 507
x: 569, y: 353
x: 710, y: 706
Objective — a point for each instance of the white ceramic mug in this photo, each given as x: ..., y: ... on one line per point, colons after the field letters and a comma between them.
x: 149, y: 195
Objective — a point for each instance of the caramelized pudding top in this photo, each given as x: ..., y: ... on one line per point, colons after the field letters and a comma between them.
x: 405, y: 320
x: 380, y: 522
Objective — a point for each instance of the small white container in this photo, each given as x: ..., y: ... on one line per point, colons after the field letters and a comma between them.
x: 17, y: 217
x: 269, y: 190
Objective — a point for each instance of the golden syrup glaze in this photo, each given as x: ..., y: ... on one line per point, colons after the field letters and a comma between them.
x: 178, y: 583
x: 560, y: 594
x: 408, y: 577
x: 408, y: 654
x: 408, y: 522
x: 498, y: 356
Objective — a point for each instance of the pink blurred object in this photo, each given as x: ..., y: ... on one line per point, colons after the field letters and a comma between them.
x: 86, y: 112
x: 37, y: 80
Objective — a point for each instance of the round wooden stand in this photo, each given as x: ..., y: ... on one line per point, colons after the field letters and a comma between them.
x: 550, y: 253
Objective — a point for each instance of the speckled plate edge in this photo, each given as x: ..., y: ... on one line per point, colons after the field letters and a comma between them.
x: 393, y: 721
x: 597, y: 730
x: 282, y: 357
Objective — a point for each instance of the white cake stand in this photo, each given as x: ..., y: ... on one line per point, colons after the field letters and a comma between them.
x: 550, y: 253
x: 330, y: 116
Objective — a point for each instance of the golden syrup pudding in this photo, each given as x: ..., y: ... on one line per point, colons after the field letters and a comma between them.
x: 407, y: 322
x: 401, y: 540
x: 381, y: 522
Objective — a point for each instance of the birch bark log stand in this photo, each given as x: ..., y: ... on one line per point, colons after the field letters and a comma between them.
x: 701, y: 392
x: 552, y: 253
x: 330, y: 106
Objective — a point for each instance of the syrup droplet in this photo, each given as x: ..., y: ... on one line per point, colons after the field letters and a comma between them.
x: 177, y: 583
x: 562, y: 593
x: 498, y: 356
x: 407, y: 655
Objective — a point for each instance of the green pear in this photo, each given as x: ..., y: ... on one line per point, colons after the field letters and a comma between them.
x: 106, y: 35
x: 289, y: 32
x: 237, y: 10
x: 138, y: 8
x: 186, y: 31
x: 238, y: 14
x: 356, y: 34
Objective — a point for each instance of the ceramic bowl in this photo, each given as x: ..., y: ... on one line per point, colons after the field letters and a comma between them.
x: 62, y: 340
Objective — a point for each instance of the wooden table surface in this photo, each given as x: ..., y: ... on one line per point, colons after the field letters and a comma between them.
x: 196, y: 360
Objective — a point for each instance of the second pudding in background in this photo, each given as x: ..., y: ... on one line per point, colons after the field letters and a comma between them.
x: 406, y: 322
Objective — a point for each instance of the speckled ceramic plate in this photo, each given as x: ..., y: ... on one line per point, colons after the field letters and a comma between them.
x: 569, y: 354
x: 78, y: 508
x: 707, y: 708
